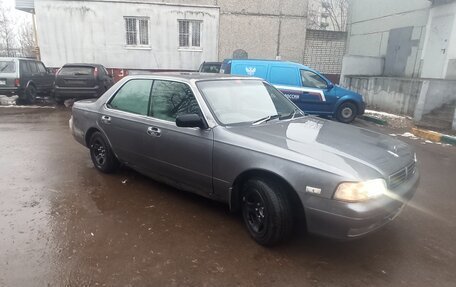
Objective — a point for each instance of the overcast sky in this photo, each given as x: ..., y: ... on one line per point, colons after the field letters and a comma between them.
x: 18, y: 16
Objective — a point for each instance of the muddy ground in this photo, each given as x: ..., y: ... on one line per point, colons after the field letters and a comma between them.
x: 62, y: 223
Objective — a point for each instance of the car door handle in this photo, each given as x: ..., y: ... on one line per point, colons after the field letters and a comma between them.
x: 106, y: 119
x: 154, y: 131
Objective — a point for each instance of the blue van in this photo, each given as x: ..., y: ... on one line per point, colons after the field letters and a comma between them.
x: 307, y: 88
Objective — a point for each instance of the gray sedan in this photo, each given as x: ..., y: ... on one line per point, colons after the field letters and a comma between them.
x: 240, y: 141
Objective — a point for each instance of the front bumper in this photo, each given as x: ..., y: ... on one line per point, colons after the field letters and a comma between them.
x: 343, y: 220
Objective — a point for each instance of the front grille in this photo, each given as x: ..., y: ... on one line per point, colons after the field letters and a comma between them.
x: 402, y: 175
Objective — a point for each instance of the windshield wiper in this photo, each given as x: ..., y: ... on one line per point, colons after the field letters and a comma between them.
x: 265, y: 119
x: 293, y: 114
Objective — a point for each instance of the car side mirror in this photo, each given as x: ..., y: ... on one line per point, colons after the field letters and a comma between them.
x: 190, y: 121
x: 330, y: 86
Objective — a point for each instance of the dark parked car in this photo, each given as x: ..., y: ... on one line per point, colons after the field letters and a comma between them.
x: 26, y: 78
x: 241, y: 141
x: 210, y: 67
x: 81, y: 81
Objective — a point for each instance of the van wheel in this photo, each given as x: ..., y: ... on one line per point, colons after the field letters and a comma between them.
x: 346, y: 113
x: 102, y: 155
x: 266, y: 211
x: 30, y: 94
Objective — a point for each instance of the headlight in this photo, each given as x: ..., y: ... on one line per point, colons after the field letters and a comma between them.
x: 360, y: 191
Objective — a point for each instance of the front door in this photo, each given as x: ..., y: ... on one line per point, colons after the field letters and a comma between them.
x: 315, y: 92
x: 182, y: 155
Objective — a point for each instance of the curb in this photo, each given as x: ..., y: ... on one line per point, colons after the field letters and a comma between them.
x: 374, y: 120
x: 434, y: 136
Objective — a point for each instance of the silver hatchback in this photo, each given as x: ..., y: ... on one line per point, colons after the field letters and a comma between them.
x: 240, y: 141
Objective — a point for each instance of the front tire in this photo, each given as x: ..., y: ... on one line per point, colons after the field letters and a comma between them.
x: 267, y: 211
x: 346, y: 113
x: 102, y: 155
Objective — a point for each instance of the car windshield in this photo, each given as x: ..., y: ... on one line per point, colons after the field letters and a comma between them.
x: 246, y: 101
x: 210, y: 68
x: 7, y: 67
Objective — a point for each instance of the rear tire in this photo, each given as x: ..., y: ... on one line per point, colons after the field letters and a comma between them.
x: 267, y: 212
x: 102, y: 155
x: 346, y: 113
x: 30, y: 94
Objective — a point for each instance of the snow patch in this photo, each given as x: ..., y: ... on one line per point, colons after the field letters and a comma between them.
x: 384, y: 114
x: 409, y: 135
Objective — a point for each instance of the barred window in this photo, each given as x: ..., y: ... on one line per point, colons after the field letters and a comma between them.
x: 189, y: 33
x: 137, y: 31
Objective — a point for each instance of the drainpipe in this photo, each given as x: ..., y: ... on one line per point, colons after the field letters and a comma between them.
x: 35, y: 34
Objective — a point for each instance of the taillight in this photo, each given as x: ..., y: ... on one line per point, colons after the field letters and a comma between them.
x: 95, y: 72
x: 17, y: 82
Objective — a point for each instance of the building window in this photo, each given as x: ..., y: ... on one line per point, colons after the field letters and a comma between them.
x: 189, y: 33
x: 137, y: 31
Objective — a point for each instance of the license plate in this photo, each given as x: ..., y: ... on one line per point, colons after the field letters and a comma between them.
x: 2, y: 82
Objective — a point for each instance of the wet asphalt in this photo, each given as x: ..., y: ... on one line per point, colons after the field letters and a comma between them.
x: 63, y: 223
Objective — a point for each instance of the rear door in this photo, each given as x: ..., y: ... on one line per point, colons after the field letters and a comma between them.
x: 123, y: 121
x: 36, y: 75
x: 46, y: 77
x: 76, y: 76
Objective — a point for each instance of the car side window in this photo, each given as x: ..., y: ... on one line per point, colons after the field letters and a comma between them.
x: 41, y: 67
x: 133, y: 97
x: 312, y: 80
x: 25, y: 68
x: 32, y: 67
x: 170, y: 99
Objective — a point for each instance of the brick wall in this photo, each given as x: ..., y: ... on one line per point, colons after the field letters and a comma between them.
x: 324, y: 51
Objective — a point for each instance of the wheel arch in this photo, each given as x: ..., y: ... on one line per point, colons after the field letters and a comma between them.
x: 236, y: 190
x: 347, y: 99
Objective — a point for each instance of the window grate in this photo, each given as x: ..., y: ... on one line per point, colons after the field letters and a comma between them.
x: 189, y: 33
x: 137, y: 31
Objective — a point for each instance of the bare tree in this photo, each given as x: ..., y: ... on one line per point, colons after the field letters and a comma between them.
x: 7, y: 37
x: 26, y: 40
x: 328, y: 13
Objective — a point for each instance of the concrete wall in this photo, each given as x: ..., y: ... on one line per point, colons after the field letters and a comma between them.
x: 375, y: 31
x: 82, y: 31
x: 439, y: 54
x: 264, y: 29
x: 435, y: 94
x: 393, y: 95
x: 325, y: 50
x: 362, y: 65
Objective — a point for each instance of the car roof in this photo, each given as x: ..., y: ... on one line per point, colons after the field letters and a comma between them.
x: 259, y: 61
x: 16, y: 58
x: 191, y: 76
x: 81, y: 65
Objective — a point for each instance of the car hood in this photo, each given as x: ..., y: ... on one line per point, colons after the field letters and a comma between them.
x: 339, y: 148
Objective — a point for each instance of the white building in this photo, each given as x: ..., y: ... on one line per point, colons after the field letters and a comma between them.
x: 167, y: 34
x: 407, y: 38
x: 127, y: 34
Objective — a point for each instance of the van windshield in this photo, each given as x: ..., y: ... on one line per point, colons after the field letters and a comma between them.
x: 7, y: 67
x: 246, y: 101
